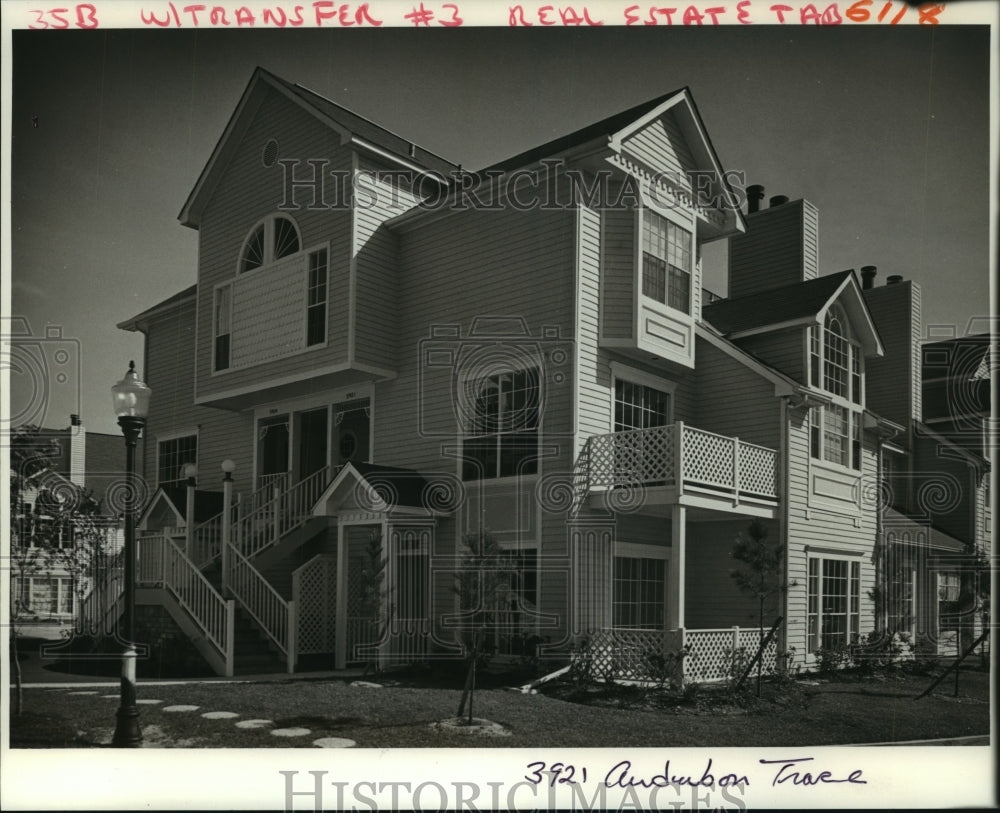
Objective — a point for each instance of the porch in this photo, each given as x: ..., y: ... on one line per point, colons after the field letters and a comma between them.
x: 677, y: 464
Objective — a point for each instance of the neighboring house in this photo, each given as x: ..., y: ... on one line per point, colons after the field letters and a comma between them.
x: 84, y: 465
x: 534, y: 356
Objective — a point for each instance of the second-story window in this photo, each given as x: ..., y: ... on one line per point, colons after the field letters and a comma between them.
x: 666, y: 261
x: 275, y: 238
x: 316, y: 299
x: 835, y: 366
x: 223, y: 314
x: 638, y: 406
x: 501, y: 437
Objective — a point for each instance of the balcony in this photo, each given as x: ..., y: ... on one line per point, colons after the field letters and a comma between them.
x: 677, y: 464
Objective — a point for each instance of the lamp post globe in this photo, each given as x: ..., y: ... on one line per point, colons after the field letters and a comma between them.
x: 131, y: 405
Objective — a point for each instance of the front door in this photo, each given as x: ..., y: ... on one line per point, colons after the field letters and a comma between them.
x: 272, y: 447
x: 311, y: 443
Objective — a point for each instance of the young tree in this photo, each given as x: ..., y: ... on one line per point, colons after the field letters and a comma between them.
x: 761, y: 574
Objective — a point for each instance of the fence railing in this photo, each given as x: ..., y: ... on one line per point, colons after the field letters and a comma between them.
x: 664, y: 455
x: 716, y: 654
x: 264, y: 525
x: 275, y: 616
x: 206, y: 541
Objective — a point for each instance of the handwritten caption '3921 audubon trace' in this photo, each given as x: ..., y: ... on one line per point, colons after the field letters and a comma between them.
x: 333, y: 14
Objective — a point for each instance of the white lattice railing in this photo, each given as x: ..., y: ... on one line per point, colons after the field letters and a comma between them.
x: 625, y: 654
x: 161, y: 563
x: 275, y: 616
x: 314, y: 591
x: 715, y: 654
x: 712, y: 656
x: 706, y: 459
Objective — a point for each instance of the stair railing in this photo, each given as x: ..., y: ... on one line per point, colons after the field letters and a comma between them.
x: 101, y: 607
x: 163, y: 564
x: 275, y: 616
x: 206, y: 541
x: 296, y: 504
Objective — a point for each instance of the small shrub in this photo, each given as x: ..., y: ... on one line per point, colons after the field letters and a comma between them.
x: 833, y: 659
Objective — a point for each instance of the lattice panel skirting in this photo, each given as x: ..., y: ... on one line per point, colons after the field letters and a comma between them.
x: 315, y: 592
x: 713, y: 655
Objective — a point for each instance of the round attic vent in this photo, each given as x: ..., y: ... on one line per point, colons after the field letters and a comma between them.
x: 270, y: 154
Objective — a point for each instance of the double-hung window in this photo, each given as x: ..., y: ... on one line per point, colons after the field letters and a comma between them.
x: 501, y: 435
x: 316, y: 299
x: 833, y: 610
x: 638, y: 596
x: 666, y: 261
x: 835, y: 367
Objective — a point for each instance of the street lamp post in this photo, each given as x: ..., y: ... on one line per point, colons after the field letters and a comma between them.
x: 131, y: 400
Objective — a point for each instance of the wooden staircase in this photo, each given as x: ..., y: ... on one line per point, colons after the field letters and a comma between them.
x: 250, y: 627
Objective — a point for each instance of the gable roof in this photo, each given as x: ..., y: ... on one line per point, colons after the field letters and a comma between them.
x: 608, y: 127
x: 348, y: 125
x: 378, y: 488
x: 138, y: 322
x: 798, y: 304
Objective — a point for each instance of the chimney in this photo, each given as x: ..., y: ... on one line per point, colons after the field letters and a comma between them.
x: 868, y: 273
x: 755, y: 196
x: 894, y: 382
x: 77, y: 451
x: 894, y: 279
x: 780, y: 246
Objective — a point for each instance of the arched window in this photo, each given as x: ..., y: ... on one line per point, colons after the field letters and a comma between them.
x: 276, y: 237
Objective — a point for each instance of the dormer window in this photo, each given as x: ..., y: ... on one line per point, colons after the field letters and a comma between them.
x: 277, y: 237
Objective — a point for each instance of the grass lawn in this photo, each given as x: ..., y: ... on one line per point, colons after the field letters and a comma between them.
x: 839, y: 711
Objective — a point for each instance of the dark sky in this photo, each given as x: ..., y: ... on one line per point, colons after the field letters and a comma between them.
x: 885, y: 129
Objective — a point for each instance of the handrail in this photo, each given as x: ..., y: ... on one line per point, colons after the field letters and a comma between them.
x: 206, y: 541
x: 265, y: 525
x: 163, y: 564
x: 101, y: 603
x: 296, y: 504
x: 195, y: 593
x: 274, y: 615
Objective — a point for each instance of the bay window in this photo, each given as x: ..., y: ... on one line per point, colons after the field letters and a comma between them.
x: 666, y: 261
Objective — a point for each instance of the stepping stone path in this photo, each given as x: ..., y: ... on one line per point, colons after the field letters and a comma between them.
x: 290, y: 732
x: 83, y: 692
x: 149, y: 702
x: 334, y: 742
x: 181, y: 708
x: 219, y: 715
x: 254, y: 723
x: 364, y: 684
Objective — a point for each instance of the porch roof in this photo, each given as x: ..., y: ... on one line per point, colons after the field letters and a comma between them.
x: 378, y: 488
x: 207, y: 504
x: 897, y: 521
